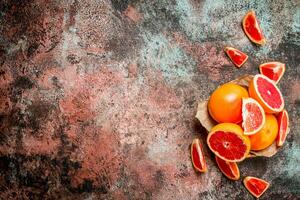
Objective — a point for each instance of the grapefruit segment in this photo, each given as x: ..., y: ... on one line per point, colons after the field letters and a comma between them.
x: 283, y: 125
x: 253, y: 116
x: 198, y: 156
x: 252, y: 29
x: 236, y: 56
x: 229, y: 169
x: 272, y: 70
x: 265, y: 91
x: 256, y: 186
x: 226, y: 140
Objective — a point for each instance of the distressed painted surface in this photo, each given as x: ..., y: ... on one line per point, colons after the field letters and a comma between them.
x: 98, y: 97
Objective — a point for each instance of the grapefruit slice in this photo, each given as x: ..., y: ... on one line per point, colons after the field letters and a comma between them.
x: 265, y: 91
x: 256, y: 186
x: 229, y: 169
x: 272, y: 70
x: 236, y: 56
x: 226, y: 140
x: 252, y: 28
x: 198, y: 156
x: 283, y: 124
x: 253, y: 116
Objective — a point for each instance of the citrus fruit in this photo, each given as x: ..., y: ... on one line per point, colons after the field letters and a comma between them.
x: 236, y: 56
x: 283, y: 125
x: 272, y: 70
x: 253, y: 116
x: 198, y: 156
x: 225, y: 103
x: 252, y: 28
x: 229, y: 169
x: 256, y: 186
x: 264, y: 90
x: 226, y: 140
x: 267, y: 135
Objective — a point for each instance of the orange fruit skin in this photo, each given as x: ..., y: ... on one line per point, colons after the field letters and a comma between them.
x: 225, y: 103
x: 267, y: 135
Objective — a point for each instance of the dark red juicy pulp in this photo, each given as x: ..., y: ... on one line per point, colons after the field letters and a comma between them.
x: 196, y: 158
x: 236, y: 56
x: 252, y: 27
x: 273, y: 97
x: 225, y: 168
x: 256, y: 186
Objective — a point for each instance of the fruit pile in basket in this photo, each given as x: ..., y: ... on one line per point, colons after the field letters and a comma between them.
x: 245, y: 117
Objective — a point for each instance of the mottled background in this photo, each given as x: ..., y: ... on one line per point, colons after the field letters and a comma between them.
x: 98, y: 98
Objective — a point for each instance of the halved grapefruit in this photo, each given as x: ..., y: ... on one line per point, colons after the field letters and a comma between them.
x: 283, y: 125
x: 256, y: 186
x: 227, y: 141
x: 198, y: 156
x: 265, y: 91
x: 229, y: 169
x: 236, y: 56
x: 253, y: 116
x: 252, y: 28
x: 272, y: 70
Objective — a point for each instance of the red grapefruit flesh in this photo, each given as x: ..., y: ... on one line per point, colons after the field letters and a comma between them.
x: 253, y: 116
x: 229, y: 169
x: 268, y: 95
x: 236, y: 56
x: 198, y: 156
x: 256, y: 186
x: 272, y: 70
x: 283, y: 124
x: 252, y: 28
x: 226, y: 140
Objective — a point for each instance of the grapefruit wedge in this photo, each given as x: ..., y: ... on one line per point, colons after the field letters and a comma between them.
x: 283, y: 124
x: 252, y: 29
x: 256, y: 186
x: 236, y: 56
x: 227, y: 141
x: 229, y: 169
x: 198, y: 156
x: 272, y: 70
x: 265, y: 91
x: 253, y: 116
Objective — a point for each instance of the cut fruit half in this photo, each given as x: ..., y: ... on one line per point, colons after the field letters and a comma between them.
x: 253, y: 116
x: 236, y: 56
x: 256, y: 186
x: 226, y: 140
x: 252, y: 28
x: 198, y: 156
x: 229, y: 169
x: 283, y: 124
x: 272, y: 70
x: 265, y: 91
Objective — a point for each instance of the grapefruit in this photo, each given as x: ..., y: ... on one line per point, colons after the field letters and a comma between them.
x: 272, y: 70
x: 225, y: 103
x: 229, y: 169
x: 266, y: 136
x: 283, y: 125
x: 252, y: 29
x: 256, y: 186
x: 198, y: 156
x: 227, y: 141
x: 236, y: 56
x: 253, y: 116
x: 265, y: 91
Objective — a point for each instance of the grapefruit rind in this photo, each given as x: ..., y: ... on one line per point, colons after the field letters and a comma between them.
x: 260, y: 42
x: 227, y: 49
x: 245, y: 113
x: 238, y: 131
x: 282, y: 133
x: 277, y: 65
x: 249, y: 178
x: 231, y: 165
x: 196, y: 143
x: 253, y: 92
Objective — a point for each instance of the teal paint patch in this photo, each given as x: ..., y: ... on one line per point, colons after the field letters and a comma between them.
x: 293, y: 159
